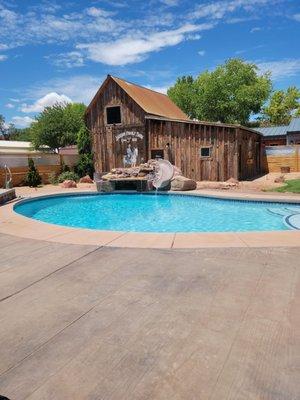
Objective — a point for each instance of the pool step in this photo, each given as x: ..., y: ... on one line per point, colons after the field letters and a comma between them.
x: 7, y: 195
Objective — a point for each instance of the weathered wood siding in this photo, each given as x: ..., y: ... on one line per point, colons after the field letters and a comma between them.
x: 249, y: 153
x: 109, y: 151
x: 231, y: 148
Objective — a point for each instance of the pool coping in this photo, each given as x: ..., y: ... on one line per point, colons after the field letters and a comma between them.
x: 17, y: 225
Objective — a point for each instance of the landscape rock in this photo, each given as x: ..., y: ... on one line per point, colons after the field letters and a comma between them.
x: 105, y: 186
x: 180, y: 182
x: 280, y: 179
x: 232, y: 181
x: 86, y: 179
x: 68, y: 184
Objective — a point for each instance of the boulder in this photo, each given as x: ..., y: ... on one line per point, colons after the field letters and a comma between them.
x: 86, y: 179
x: 232, y: 181
x: 68, y: 184
x: 280, y: 179
x: 105, y: 186
x: 180, y: 182
x: 177, y: 171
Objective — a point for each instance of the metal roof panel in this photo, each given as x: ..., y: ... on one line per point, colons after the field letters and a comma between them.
x: 294, y: 125
x: 150, y: 101
x: 273, y: 130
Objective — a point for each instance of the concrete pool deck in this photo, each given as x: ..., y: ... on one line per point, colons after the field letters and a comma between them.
x: 15, y: 224
x: 84, y: 322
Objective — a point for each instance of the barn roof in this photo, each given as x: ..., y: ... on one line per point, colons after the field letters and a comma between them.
x: 151, y: 102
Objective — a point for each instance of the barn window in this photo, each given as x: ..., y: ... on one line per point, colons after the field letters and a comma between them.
x: 113, y: 115
x: 205, y: 152
x: 157, y: 153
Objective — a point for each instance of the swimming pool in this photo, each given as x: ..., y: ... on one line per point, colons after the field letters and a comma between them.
x: 157, y: 213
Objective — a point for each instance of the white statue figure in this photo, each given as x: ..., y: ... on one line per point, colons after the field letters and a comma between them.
x: 134, y: 156
x: 127, y: 159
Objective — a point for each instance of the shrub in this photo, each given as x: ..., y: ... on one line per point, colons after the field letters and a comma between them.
x: 68, y: 175
x: 52, y: 178
x: 64, y: 168
x: 85, y: 165
x: 33, y: 178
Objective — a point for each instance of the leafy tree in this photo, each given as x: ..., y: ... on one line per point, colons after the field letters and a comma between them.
x: 33, y: 178
x: 21, y: 134
x: 282, y: 106
x: 74, y: 119
x: 2, y: 125
x: 58, y: 126
x: 230, y: 93
x: 183, y: 93
x: 50, y: 128
x: 84, y: 141
x: 85, y: 165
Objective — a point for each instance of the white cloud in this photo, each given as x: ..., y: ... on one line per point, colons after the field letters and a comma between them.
x: 22, y: 122
x: 131, y: 49
x: 48, y: 100
x: 201, y: 53
x: 255, y: 29
x: 98, y: 12
x: 281, y: 69
x: 43, y: 25
x: 159, y: 89
x: 79, y: 88
x: 67, y: 60
x: 3, y: 57
x: 296, y: 17
x: 170, y: 3
x: 9, y: 105
x: 219, y: 9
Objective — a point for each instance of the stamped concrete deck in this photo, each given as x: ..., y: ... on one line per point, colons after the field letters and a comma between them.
x: 85, y: 322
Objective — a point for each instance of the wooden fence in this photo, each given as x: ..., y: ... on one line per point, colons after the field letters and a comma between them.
x: 46, y: 164
x: 277, y: 157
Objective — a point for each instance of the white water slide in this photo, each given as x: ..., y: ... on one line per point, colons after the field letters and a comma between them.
x: 164, y: 172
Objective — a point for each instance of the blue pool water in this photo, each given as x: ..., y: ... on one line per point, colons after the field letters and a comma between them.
x: 155, y: 213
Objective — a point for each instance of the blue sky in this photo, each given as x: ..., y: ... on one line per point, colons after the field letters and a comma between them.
x: 61, y: 51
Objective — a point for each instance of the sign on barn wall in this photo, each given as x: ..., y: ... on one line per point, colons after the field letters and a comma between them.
x: 129, y: 147
x: 129, y: 135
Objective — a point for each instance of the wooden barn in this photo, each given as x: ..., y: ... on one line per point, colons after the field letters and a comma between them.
x: 130, y: 124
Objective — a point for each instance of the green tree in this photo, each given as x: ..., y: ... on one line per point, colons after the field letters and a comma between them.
x: 23, y: 134
x: 85, y: 165
x: 2, y: 124
x: 33, y: 178
x: 58, y: 126
x: 230, y: 93
x: 74, y: 119
x: 50, y: 128
x: 183, y: 93
x: 282, y: 106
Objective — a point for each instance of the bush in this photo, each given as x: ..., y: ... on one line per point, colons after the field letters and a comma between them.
x: 68, y: 175
x: 33, y: 178
x: 64, y: 168
x: 52, y: 178
x: 85, y: 165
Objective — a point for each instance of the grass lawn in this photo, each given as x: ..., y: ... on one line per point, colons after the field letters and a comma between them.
x: 292, y: 186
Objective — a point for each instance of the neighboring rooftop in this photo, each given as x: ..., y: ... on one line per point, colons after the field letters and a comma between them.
x: 281, y: 130
x: 15, y: 146
x: 150, y: 101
